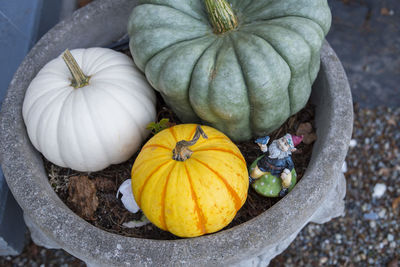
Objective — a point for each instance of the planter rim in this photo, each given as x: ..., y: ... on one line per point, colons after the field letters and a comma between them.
x: 24, y: 175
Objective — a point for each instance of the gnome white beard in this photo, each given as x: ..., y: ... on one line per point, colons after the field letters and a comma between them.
x: 276, y: 152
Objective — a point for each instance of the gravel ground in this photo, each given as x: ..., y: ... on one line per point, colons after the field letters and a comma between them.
x: 369, y: 233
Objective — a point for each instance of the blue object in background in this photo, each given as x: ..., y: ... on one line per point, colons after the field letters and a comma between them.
x: 22, y: 23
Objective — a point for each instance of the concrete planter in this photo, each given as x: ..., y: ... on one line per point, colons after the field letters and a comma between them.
x: 318, y: 197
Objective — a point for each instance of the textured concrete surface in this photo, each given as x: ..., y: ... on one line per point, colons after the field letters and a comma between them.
x: 366, y: 36
x: 22, y: 22
x: 27, y: 179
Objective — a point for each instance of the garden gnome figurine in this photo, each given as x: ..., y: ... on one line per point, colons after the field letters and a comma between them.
x: 275, y: 167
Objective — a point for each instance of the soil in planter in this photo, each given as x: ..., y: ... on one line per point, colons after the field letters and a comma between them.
x: 93, y: 195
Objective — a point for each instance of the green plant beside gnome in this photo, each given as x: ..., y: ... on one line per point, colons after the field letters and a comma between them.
x: 274, y: 170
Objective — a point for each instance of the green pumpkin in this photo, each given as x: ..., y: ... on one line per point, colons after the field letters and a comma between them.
x: 242, y: 67
x: 269, y: 185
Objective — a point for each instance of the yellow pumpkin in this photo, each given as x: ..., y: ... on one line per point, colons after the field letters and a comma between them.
x: 190, y: 192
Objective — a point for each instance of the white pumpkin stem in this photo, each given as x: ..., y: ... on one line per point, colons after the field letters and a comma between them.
x: 79, y: 79
x: 182, y: 151
x: 221, y: 16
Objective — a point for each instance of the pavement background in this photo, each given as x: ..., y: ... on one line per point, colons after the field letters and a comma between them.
x: 366, y: 36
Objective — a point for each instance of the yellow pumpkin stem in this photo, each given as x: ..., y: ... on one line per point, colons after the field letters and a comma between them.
x: 181, y: 151
x: 79, y: 79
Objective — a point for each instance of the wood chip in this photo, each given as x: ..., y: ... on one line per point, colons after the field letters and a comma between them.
x: 82, y: 196
x: 395, y: 205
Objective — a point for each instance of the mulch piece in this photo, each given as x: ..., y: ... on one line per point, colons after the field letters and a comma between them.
x: 111, y: 214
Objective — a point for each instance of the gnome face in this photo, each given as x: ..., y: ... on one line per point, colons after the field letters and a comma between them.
x: 275, y: 150
x: 284, y: 145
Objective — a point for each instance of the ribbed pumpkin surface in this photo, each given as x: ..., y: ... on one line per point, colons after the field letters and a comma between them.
x: 193, y: 197
x: 245, y: 82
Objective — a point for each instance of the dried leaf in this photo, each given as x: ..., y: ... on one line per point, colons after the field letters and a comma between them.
x: 304, y: 128
x: 395, y: 205
x: 82, y: 196
x: 385, y: 11
x: 307, y: 131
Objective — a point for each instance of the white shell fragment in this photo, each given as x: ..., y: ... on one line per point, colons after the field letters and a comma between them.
x: 127, y: 196
x: 138, y: 223
x: 379, y: 190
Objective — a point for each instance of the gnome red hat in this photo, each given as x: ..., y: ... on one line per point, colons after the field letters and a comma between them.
x: 293, y: 140
x: 297, y: 139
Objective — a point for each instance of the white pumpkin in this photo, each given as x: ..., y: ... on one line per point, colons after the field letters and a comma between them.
x: 99, y: 123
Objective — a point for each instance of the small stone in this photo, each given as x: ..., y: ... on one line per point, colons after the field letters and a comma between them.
x: 365, y: 207
x: 372, y: 224
x: 353, y: 143
x: 323, y: 260
x: 379, y: 190
x: 363, y: 257
x: 371, y: 216
x: 382, y: 213
x: 392, y: 244
x: 390, y: 237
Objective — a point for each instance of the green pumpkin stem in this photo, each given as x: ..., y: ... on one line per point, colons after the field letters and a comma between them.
x: 79, y: 79
x: 182, y: 151
x: 221, y: 16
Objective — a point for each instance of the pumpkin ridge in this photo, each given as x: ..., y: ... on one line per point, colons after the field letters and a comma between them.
x: 58, y: 127
x: 319, y: 33
x: 143, y: 105
x: 284, y: 59
x: 250, y: 4
x: 243, y: 9
x: 139, y: 199
x: 74, y: 128
x: 163, y: 220
x: 94, y: 63
x: 202, y: 142
x: 193, y: 70
x: 155, y: 145
x: 245, y: 82
x: 143, y: 95
x: 210, y: 80
x: 172, y: 131
x: 174, y: 8
x: 202, y: 220
x: 221, y: 150
x: 231, y: 191
x: 40, y: 118
x: 28, y: 109
x: 90, y: 114
x: 279, y: 17
x: 127, y: 110
x: 168, y: 47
